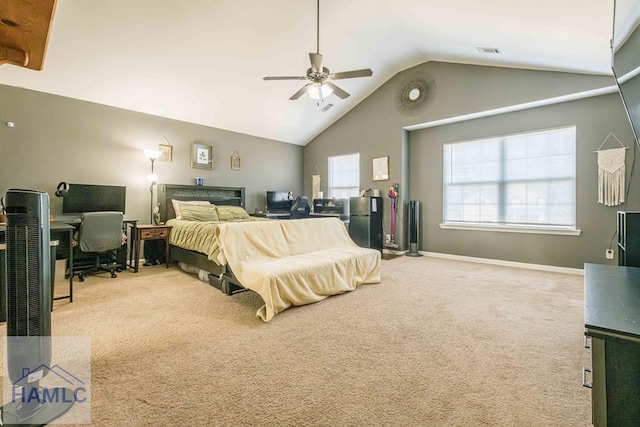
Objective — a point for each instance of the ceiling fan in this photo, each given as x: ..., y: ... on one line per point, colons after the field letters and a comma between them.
x: 320, y: 77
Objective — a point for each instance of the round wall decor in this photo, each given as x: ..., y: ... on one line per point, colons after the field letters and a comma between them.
x: 414, y: 94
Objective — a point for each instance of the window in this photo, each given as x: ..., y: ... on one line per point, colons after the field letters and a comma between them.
x: 525, y: 180
x: 344, y: 176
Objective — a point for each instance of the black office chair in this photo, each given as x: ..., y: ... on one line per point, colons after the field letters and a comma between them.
x: 99, y: 239
x: 300, y: 208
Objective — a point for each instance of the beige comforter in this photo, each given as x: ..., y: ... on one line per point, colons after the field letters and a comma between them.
x: 199, y: 236
x: 295, y: 262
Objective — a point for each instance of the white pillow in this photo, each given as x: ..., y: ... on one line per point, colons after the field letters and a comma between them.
x: 176, y: 205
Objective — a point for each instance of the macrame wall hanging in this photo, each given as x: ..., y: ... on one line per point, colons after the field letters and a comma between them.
x: 315, y: 184
x: 611, y: 173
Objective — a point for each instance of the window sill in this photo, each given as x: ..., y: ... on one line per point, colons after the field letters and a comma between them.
x: 556, y: 231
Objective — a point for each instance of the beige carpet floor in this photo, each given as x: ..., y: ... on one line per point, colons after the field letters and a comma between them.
x: 437, y: 343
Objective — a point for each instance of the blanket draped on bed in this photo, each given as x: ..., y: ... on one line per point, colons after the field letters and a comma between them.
x: 295, y: 262
x: 199, y: 236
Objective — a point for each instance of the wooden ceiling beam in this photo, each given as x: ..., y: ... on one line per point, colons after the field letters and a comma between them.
x: 24, y: 31
x: 9, y: 55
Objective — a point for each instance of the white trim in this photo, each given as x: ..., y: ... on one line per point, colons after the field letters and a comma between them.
x: 559, y: 232
x: 518, y: 107
x: 524, y: 265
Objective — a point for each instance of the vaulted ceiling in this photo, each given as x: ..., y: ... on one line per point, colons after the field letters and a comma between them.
x: 203, y: 61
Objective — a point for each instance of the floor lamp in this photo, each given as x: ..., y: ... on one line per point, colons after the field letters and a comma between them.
x: 152, y: 177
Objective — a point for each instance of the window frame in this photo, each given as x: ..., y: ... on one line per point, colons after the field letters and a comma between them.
x: 352, y: 191
x: 502, y: 182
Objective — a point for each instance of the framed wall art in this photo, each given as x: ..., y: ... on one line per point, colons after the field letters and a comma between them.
x: 381, y: 168
x: 236, y: 161
x: 201, y: 156
x: 167, y: 152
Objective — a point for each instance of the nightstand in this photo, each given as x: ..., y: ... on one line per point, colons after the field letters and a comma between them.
x: 149, y: 232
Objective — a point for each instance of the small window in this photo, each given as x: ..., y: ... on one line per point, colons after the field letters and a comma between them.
x: 525, y: 180
x: 344, y: 176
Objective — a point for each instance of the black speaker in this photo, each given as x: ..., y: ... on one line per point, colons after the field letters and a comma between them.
x: 414, y: 228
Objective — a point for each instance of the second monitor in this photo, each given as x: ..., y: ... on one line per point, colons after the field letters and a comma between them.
x: 279, y: 201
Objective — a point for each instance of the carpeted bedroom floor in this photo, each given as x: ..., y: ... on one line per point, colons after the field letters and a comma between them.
x: 437, y: 343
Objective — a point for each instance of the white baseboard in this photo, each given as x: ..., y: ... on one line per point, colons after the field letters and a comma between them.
x: 552, y: 268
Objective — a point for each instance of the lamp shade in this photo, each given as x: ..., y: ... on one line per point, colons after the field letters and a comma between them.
x: 152, y: 154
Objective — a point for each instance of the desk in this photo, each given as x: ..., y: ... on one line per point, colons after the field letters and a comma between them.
x: 3, y: 276
x: 272, y: 215
x: 58, y: 232
x: 56, y: 229
x: 127, y: 261
x: 148, y: 232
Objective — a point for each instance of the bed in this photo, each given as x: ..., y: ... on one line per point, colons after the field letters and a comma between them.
x: 287, y: 262
x: 220, y: 276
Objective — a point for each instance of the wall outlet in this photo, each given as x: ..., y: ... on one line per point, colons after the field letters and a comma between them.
x: 387, y: 238
x: 608, y: 254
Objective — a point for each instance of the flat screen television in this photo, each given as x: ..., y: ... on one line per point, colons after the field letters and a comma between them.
x: 279, y: 201
x: 94, y: 198
x: 625, y: 59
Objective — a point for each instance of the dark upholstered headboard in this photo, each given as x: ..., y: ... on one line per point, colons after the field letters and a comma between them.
x: 233, y: 196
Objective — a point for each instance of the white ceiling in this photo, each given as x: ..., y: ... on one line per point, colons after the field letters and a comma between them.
x: 202, y: 61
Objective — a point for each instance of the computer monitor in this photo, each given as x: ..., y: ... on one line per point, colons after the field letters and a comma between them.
x: 279, y: 201
x: 94, y: 198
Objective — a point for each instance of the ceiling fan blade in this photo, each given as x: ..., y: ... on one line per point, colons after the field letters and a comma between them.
x: 301, y: 92
x: 316, y: 62
x: 352, y: 74
x: 285, y: 78
x: 337, y: 91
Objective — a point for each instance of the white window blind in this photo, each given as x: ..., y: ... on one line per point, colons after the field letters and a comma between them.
x: 344, y: 176
x: 525, y: 180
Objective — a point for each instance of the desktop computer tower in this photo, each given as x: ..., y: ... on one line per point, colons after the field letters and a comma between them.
x: 365, y: 222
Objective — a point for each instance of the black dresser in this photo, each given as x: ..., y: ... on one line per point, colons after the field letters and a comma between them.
x: 612, y: 335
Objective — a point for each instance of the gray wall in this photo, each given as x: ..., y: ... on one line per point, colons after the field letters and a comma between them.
x: 594, y: 118
x: 61, y: 139
x: 375, y: 128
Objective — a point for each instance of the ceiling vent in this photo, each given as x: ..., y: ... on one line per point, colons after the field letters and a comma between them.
x: 326, y: 107
x: 488, y: 49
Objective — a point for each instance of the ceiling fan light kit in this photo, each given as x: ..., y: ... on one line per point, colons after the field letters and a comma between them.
x: 319, y: 91
x: 320, y: 77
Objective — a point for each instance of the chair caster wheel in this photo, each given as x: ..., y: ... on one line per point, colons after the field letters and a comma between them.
x: 113, y: 274
x: 80, y: 277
